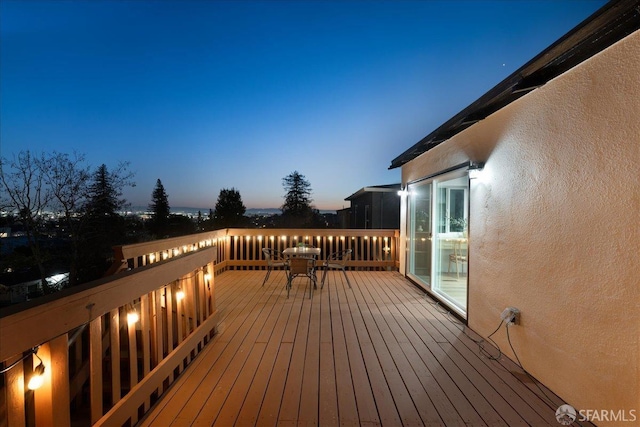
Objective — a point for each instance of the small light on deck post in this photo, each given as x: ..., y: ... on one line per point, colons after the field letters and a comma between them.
x: 207, y: 277
x: 132, y: 315
x: 37, y: 377
x: 475, y: 168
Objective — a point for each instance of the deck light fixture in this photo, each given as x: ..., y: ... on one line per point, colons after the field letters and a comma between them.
x: 179, y: 295
x: 132, y: 315
x: 37, y: 377
x: 474, y: 169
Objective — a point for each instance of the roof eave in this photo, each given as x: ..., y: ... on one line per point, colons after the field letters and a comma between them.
x: 611, y: 23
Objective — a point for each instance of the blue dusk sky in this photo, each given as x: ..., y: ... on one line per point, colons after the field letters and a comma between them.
x: 207, y: 94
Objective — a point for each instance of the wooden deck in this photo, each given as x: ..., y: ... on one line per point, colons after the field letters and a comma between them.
x: 378, y: 354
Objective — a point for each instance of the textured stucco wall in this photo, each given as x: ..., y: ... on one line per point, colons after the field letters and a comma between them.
x: 554, y: 227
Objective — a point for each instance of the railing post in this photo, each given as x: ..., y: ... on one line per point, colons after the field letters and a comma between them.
x: 95, y: 368
x: 145, y: 325
x: 210, y: 288
x: 168, y: 295
x: 15, y: 394
x: 133, y: 359
x: 159, y: 331
x: 52, y: 398
x: 114, y: 332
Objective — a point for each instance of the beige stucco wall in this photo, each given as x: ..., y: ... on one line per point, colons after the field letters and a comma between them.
x: 554, y: 228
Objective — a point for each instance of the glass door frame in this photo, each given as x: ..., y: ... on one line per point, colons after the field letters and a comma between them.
x: 432, y: 181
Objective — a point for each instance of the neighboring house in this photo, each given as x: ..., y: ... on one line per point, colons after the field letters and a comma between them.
x: 5, y: 232
x: 551, y: 224
x: 374, y: 207
x: 344, y: 217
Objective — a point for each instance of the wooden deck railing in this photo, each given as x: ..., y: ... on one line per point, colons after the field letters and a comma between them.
x: 100, y: 368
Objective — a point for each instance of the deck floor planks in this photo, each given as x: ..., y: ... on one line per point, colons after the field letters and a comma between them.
x: 398, y: 373
x: 309, y: 396
x: 365, y: 401
x: 412, y: 346
x: 510, y: 416
x: 291, y: 395
x: 248, y: 414
x: 377, y: 354
x: 481, y: 405
x: 327, y: 393
x: 345, y: 396
x: 272, y: 403
x: 448, y: 377
x: 387, y: 410
x: 393, y: 334
x: 204, y: 405
x: 238, y: 394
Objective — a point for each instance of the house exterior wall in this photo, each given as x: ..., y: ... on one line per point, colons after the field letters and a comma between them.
x: 383, y: 210
x: 554, y: 228
x: 389, y: 208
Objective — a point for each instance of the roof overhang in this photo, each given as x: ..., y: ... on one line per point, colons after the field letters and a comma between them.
x: 376, y: 189
x: 611, y: 23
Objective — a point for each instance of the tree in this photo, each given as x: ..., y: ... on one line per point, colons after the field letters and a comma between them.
x: 104, y: 226
x: 297, y: 200
x: 27, y: 194
x: 160, y: 211
x: 180, y: 225
x: 68, y: 180
x: 297, y: 210
x: 229, y: 210
x: 200, y: 222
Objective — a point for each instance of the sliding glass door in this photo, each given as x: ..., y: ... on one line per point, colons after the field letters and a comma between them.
x: 420, y: 232
x: 438, y: 236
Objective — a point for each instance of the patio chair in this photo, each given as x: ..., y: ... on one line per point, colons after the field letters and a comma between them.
x: 302, y: 266
x: 274, y: 260
x: 459, y: 256
x: 337, y: 261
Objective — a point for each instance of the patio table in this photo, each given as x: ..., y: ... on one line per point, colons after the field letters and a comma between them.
x: 302, y: 251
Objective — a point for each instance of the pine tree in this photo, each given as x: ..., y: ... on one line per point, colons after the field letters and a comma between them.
x: 297, y: 211
x: 160, y: 211
x: 104, y: 226
x: 297, y: 201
